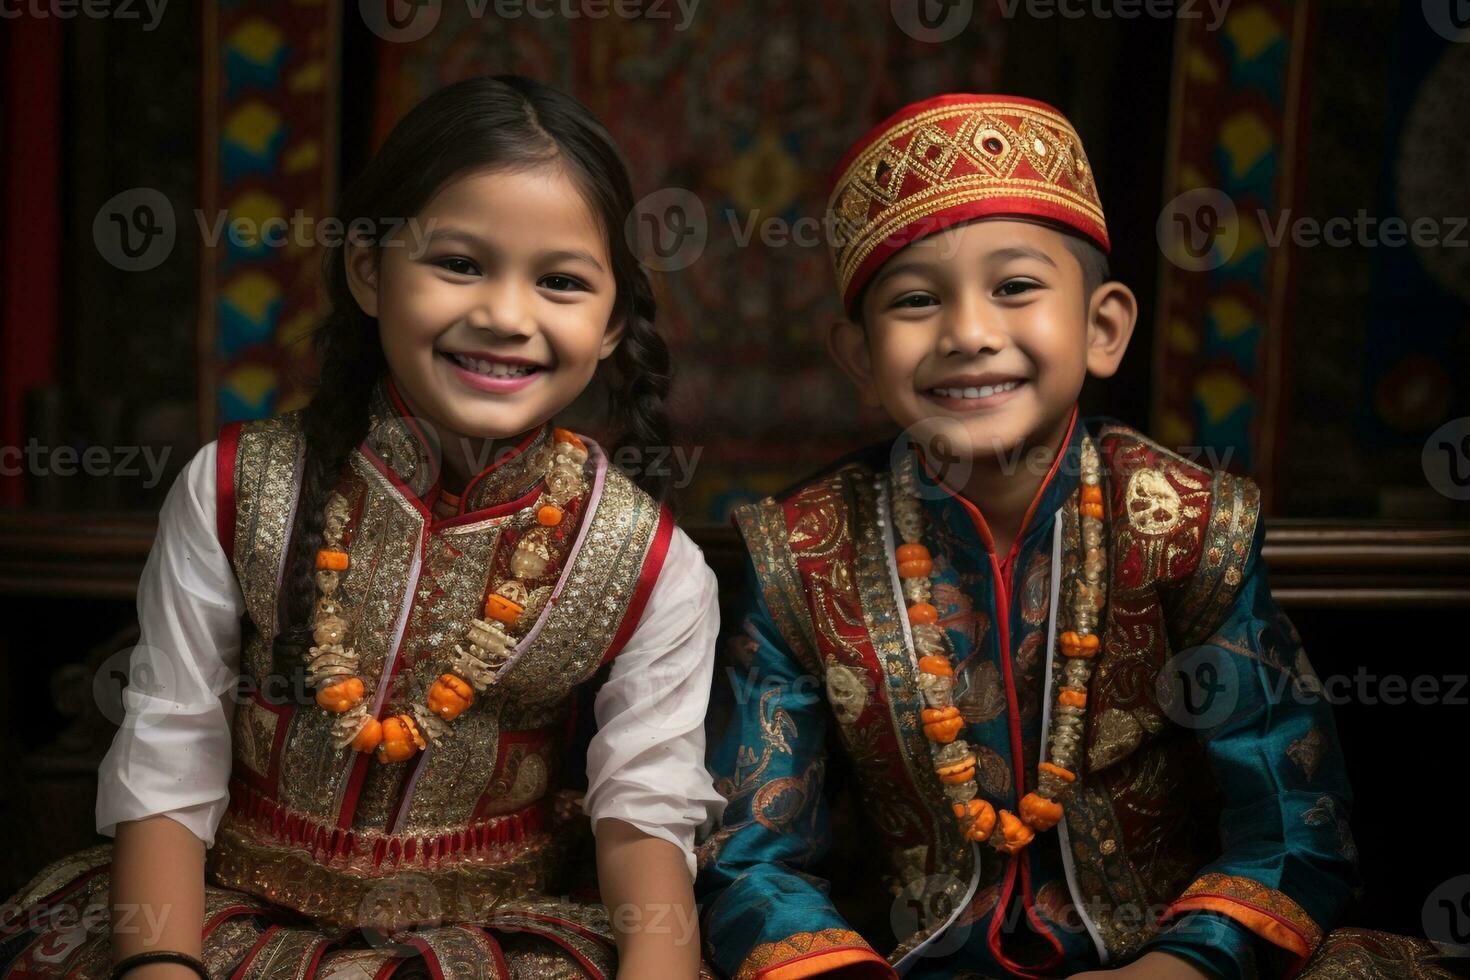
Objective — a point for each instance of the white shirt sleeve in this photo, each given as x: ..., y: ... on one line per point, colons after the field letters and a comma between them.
x: 645, y: 764
x: 171, y: 754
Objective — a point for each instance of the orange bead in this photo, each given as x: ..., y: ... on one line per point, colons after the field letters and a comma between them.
x: 1039, y: 813
x: 923, y: 614
x: 915, y: 568
x: 499, y: 607
x: 1077, y: 645
x: 1072, y: 697
x: 401, y: 739
x: 977, y: 818
x: 1092, y: 495
x: 933, y: 664
x: 1092, y: 510
x: 332, y: 559
x: 548, y: 515
x: 342, y: 696
x: 450, y: 695
x: 568, y: 436
x: 942, y: 724
x: 1014, y: 834
x: 368, y: 736
x: 913, y: 552
x: 958, y: 772
x: 1065, y: 775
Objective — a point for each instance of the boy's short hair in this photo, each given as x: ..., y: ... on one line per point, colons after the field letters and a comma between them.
x: 1094, y: 262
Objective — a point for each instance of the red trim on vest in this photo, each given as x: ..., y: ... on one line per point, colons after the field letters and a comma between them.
x: 652, y: 566
x: 226, y: 449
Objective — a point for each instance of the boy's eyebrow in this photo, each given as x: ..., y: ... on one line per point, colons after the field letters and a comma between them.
x: 470, y: 238
x: 999, y: 255
x: 1021, y: 252
x: 894, y: 268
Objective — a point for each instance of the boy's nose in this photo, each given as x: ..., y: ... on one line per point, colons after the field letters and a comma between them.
x: 969, y: 330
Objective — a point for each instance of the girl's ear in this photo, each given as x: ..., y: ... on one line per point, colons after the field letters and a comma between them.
x: 1111, y: 314
x: 847, y: 342
x: 362, y: 276
x: 612, y: 337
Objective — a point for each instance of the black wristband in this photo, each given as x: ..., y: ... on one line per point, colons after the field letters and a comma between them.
x: 159, y: 956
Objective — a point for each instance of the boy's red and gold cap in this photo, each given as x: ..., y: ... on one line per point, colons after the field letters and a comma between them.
x: 953, y: 158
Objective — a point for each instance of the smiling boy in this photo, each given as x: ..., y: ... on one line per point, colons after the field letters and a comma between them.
x: 1045, y: 644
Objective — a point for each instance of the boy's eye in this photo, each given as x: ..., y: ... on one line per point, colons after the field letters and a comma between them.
x: 458, y: 264
x: 914, y: 301
x: 1015, y: 287
x: 561, y: 283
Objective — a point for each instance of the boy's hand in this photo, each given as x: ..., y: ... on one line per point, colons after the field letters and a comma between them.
x: 1151, y: 966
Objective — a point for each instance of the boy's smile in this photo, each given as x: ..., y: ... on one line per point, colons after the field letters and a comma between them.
x: 989, y: 324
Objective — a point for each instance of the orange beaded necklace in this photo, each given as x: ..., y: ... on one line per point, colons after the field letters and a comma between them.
x: 954, y: 761
x: 332, y: 663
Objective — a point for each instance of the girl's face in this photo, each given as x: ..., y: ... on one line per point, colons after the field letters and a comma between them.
x: 493, y: 305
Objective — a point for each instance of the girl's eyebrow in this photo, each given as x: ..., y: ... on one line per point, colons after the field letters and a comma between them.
x: 555, y: 255
x: 454, y: 235
x: 573, y: 255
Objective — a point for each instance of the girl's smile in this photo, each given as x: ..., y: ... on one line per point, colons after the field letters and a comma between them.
x: 492, y: 372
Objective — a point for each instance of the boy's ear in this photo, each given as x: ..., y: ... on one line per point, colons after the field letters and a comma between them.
x: 847, y: 342
x: 1111, y: 315
x: 362, y: 276
x: 612, y: 336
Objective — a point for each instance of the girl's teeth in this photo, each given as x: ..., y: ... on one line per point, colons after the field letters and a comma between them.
x: 985, y: 391
x: 494, y: 369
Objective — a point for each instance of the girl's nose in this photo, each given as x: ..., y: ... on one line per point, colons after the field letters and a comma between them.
x: 503, y: 309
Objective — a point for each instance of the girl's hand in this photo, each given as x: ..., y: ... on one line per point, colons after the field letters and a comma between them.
x: 650, y: 902
x: 1151, y: 966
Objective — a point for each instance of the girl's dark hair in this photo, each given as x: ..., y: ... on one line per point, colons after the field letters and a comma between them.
x: 500, y: 122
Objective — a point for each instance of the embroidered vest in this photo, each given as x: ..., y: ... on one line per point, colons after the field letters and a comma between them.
x: 469, y: 822
x: 1178, y: 537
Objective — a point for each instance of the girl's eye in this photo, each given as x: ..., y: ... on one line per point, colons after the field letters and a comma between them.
x: 457, y: 264
x: 914, y: 301
x: 1015, y: 287
x: 561, y: 283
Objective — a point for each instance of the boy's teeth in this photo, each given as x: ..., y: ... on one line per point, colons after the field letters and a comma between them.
x: 984, y: 391
x: 492, y: 368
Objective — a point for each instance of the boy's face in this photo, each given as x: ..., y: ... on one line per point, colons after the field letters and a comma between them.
x: 986, y: 329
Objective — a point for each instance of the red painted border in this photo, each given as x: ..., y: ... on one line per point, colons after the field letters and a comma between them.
x: 226, y: 450
x: 31, y: 67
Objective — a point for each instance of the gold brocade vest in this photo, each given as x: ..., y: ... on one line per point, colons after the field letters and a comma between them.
x: 471, y: 821
x: 1178, y: 537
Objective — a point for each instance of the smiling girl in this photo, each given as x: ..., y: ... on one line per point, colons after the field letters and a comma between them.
x: 368, y: 625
